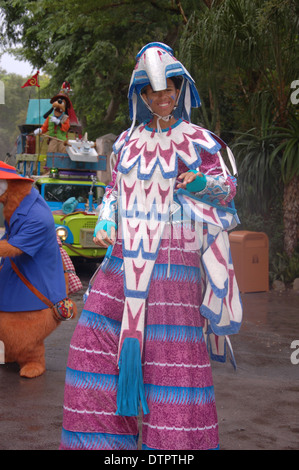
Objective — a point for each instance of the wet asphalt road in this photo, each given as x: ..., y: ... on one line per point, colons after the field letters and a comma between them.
x: 258, y: 406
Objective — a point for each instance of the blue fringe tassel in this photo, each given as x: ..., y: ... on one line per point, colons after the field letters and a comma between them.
x: 130, y: 382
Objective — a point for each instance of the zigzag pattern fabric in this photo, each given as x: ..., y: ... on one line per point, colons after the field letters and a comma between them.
x: 147, y: 171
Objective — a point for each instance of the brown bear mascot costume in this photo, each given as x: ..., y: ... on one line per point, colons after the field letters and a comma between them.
x: 29, y: 247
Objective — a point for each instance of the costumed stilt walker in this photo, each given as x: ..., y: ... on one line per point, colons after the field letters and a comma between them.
x: 166, y: 295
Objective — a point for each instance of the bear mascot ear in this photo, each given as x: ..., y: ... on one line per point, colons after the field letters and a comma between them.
x: 48, y: 113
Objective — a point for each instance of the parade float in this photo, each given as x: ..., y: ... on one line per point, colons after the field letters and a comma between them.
x: 65, y: 166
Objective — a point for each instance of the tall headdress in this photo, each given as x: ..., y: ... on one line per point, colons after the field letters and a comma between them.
x: 155, y: 63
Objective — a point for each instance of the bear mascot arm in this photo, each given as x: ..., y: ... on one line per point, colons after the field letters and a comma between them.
x: 16, y: 191
x: 7, y: 250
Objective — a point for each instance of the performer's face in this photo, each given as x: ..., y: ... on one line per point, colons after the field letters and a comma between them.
x: 162, y: 102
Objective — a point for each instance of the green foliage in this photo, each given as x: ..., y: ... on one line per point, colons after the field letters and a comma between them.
x: 245, y: 52
x: 240, y: 49
x: 243, y: 55
x: 285, y: 268
x: 287, y: 148
x: 93, y: 46
x: 258, y: 180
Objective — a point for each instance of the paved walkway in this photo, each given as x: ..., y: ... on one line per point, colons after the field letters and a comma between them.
x: 258, y: 404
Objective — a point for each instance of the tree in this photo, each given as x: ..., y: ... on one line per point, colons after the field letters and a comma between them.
x: 247, y: 52
x: 243, y: 55
x: 93, y: 46
x: 287, y: 151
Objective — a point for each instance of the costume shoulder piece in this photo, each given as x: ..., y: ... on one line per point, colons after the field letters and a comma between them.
x: 147, y: 148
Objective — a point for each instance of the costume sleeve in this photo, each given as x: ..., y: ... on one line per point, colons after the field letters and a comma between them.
x: 218, y: 188
x: 65, y: 125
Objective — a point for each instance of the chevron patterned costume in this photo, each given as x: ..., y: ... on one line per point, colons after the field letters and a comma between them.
x: 167, y: 296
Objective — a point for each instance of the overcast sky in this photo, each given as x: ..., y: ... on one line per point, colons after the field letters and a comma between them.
x: 11, y: 65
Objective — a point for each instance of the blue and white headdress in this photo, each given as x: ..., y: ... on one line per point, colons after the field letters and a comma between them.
x: 155, y: 63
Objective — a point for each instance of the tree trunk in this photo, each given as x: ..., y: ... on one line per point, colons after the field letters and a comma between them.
x: 291, y: 215
x: 112, y: 110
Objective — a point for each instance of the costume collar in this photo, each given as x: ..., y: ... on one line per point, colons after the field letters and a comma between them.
x: 183, y: 140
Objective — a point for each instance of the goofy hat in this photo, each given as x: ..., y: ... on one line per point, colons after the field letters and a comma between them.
x: 155, y: 63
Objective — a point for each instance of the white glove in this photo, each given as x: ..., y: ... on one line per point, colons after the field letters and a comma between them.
x: 38, y: 131
x: 55, y: 120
